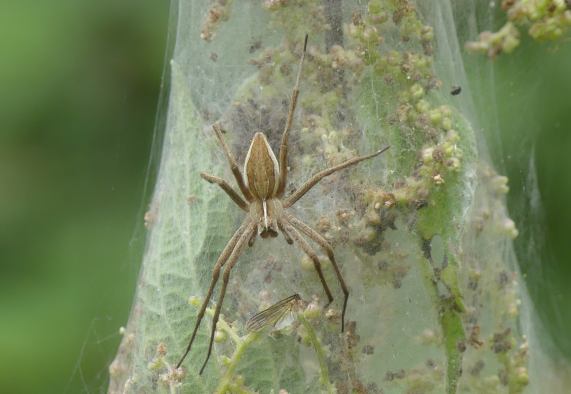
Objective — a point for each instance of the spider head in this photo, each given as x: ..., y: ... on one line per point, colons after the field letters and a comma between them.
x: 268, y: 232
x: 268, y: 225
x: 266, y: 213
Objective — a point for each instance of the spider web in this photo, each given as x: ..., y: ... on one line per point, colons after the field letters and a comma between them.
x: 437, y: 303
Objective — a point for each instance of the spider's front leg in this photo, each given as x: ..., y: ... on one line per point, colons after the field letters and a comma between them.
x: 286, y: 235
x: 229, y: 251
x: 292, y: 234
x: 321, y: 241
x: 238, y: 249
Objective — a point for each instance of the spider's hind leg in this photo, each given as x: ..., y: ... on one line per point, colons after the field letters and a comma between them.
x: 289, y: 120
x: 233, y: 163
x: 227, y: 188
x: 311, y: 182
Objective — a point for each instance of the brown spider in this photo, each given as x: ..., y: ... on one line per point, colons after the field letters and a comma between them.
x: 266, y: 207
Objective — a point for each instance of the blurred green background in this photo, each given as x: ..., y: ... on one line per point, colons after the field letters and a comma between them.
x: 79, y: 87
x: 79, y: 83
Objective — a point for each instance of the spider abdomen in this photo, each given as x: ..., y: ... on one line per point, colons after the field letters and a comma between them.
x: 261, y: 167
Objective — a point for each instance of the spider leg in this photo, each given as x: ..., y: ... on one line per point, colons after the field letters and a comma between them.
x: 310, y: 253
x: 226, y: 253
x: 285, y: 233
x: 252, y: 239
x: 285, y: 135
x: 232, y: 161
x: 321, y: 241
x: 322, y: 174
x: 227, y: 188
x: 239, y: 248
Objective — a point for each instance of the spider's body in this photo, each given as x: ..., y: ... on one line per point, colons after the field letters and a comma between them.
x: 263, y: 189
x: 262, y: 169
x: 262, y: 174
x: 264, y: 214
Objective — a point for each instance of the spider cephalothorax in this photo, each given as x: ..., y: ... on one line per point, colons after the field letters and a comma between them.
x: 263, y: 200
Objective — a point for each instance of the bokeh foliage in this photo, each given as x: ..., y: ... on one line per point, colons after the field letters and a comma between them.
x: 80, y: 84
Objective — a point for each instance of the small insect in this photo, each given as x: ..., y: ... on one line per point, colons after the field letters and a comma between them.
x: 455, y: 91
x: 255, y: 46
x: 266, y: 210
x: 274, y: 314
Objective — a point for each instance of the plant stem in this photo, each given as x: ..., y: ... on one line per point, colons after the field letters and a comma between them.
x: 242, y: 346
x: 321, y: 358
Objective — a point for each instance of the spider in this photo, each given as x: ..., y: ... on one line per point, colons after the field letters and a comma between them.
x: 263, y: 188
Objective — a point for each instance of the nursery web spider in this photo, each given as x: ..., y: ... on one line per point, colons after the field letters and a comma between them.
x: 263, y: 188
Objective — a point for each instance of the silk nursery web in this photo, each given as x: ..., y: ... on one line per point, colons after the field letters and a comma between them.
x: 421, y: 234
